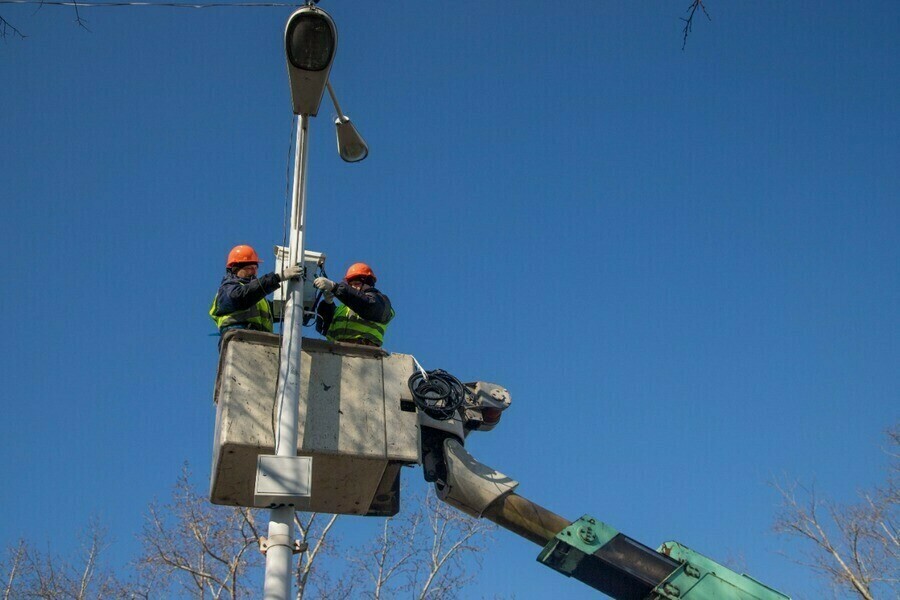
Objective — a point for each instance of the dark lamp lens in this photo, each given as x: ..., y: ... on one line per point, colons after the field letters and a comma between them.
x: 310, y: 42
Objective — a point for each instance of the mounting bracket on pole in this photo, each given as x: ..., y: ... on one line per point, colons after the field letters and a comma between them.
x: 281, y: 540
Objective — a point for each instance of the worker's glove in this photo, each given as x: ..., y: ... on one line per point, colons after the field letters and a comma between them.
x: 294, y: 272
x: 324, y: 284
x: 328, y: 297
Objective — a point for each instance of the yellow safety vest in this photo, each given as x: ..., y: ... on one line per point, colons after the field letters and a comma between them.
x: 258, y: 316
x: 347, y: 326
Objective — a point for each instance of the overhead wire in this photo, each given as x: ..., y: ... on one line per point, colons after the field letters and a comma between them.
x: 157, y: 4
x: 7, y: 27
x: 284, y: 242
x: 287, y: 184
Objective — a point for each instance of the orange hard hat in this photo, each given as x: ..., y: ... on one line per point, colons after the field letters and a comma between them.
x: 358, y: 270
x: 242, y: 254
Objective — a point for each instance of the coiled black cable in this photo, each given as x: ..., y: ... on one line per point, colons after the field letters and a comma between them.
x: 310, y: 316
x: 439, y: 396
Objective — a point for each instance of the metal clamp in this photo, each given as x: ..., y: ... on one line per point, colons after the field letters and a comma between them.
x: 281, y: 540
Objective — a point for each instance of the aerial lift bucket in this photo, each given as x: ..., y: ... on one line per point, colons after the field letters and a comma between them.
x: 357, y: 423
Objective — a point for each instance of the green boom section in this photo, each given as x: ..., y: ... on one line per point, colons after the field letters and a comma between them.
x: 701, y: 578
x: 596, y: 554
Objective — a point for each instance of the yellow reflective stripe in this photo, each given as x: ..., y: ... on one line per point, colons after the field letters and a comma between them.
x: 347, y: 325
x: 357, y: 323
x: 212, y: 309
x: 353, y: 337
x: 258, y: 314
x: 353, y: 330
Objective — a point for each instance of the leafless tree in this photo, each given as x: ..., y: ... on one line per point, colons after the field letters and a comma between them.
x: 857, y: 547
x: 203, y: 549
x: 190, y: 548
x: 32, y: 573
x: 211, y: 551
x: 314, y: 530
x: 423, y: 552
x: 388, y: 559
x: 455, y: 536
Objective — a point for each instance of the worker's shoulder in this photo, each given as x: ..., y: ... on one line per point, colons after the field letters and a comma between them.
x: 377, y: 292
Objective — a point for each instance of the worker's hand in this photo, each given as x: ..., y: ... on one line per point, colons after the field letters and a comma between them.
x: 294, y: 272
x: 324, y: 284
x: 328, y: 297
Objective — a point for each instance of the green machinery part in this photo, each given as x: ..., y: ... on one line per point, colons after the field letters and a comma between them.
x: 611, y: 562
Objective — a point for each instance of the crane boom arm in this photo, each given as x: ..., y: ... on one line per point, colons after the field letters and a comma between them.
x: 587, y: 549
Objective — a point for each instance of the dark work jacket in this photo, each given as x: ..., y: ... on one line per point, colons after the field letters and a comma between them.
x: 240, y: 293
x: 368, y: 303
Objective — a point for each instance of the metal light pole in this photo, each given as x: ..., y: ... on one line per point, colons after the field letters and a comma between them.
x: 280, y: 551
x: 310, y: 41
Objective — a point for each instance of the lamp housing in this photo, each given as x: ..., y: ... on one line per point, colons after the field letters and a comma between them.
x: 351, y: 146
x: 310, y: 42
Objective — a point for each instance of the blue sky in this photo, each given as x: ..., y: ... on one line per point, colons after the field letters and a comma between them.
x: 684, y: 265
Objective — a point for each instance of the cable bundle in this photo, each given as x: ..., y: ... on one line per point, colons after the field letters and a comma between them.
x: 439, y: 396
x: 310, y: 316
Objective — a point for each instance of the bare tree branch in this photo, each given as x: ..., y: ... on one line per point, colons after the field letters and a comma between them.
x: 7, y: 28
x: 387, y: 559
x: 92, y: 551
x: 191, y: 549
x: 855, y: 546
x: 199, y: 547
x: 689, y: 21
x: 211, y: 551
x: 81, y: 22
x: 307, y: 559
x: 453, y: 532
x: 36, y: 574
x: 18, y: 556
x: 422, y: 552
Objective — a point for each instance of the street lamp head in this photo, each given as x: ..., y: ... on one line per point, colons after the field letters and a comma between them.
x: 351, y: 146
x: 310, y: 41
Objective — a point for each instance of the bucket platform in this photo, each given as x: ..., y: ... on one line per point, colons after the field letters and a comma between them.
x: 357, y: 422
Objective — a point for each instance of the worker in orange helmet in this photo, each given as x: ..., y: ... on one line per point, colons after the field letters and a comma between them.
x: 364, y: 313
x: 241, y: 301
